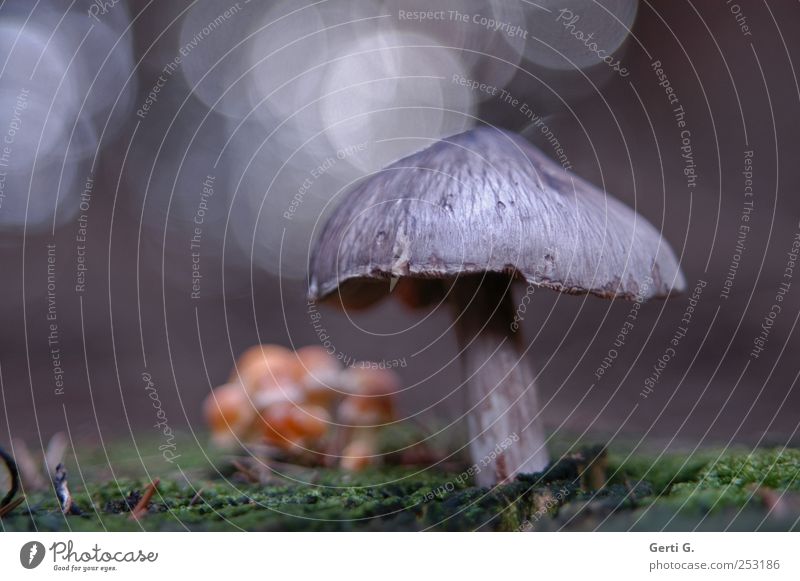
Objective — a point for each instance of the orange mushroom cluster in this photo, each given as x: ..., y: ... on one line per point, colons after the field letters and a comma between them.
x: 304, y: 404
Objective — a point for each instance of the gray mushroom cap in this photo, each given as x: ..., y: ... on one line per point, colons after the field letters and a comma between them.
x: 487, y: 201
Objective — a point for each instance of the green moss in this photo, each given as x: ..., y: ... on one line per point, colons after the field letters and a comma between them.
x: 642, y: 493
x: 776, y: 468
x: 662, y: 472
x: 732, y: 480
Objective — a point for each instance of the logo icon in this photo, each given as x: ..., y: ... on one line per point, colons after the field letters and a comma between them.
x: 31, y: 554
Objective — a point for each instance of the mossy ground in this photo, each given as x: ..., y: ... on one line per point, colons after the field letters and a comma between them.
x: 588, y: 489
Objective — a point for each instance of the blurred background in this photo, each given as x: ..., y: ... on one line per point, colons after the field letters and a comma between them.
x: 165, y: 166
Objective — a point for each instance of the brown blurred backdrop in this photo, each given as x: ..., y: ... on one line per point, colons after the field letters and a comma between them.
x: 136, y: 313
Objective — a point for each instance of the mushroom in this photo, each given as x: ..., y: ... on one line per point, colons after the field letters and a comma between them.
x: 289, y: 416
x: 459, y: 221
x: 261, y: 361
x: 364, y: 411
x: 229, y: 413
x: 370, y: 391
x: 269, y: 391
x: 318, y: 374
x: 277, y: 395
x: 294, y: 427
x: 359, y: 454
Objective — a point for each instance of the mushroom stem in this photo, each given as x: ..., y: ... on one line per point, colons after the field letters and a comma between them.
x: 506, y: 438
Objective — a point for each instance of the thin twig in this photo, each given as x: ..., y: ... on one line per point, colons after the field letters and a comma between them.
x: 13, y: 472
x: 11, y: 506
x: 141, y: 508
x: 246, y: 471
x: 198, y: 496
x: 62, y: 490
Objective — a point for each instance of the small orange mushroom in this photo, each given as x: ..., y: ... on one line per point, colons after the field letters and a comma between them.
x: 229, y: 413
x: 358, y: 455
x: 370, y: 401
x: 290, y: 427
x: 262, y: 361
x: 368, y: 406
x: 286, y: 398
x: 319, y: 374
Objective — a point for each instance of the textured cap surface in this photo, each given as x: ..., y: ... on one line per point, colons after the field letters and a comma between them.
x: 487, y: 200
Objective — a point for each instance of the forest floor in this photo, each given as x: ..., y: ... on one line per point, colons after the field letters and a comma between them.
x: 589, y: 488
